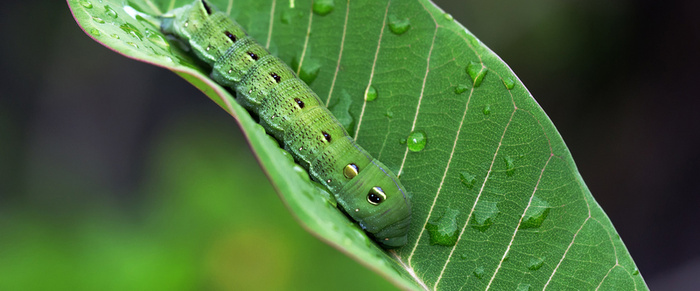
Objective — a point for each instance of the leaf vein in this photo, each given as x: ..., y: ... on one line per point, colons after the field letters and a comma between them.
x: 340, y: 53
x: 371, y: 75
x: 517, y: 227
x: 478, y: 196
x: 272, y: 17
x: 422, y: 91
x: 306, y: 39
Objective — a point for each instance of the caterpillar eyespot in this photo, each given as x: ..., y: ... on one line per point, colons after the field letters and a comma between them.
x: 376, y: 196
x: 293, y: 114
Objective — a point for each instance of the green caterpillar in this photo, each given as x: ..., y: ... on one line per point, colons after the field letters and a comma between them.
x: 291, y: 112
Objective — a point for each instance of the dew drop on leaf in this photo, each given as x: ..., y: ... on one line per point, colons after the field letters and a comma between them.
x: 132, y: 44
x: 95, y: 32
x: 448, y: 16
x: 523, y: 287
x: 323, y: 7
x: 131, y: 30
x: 417, y: 140
x: 109, y: 11
x: 114, y: 36
x: 98, y: 20
x: 486, y: 110
x: 287, y: 155
x: 302, y: 173
x: 535, y: 264
x: 484, y: 215
x: 444, y: 231
x: 322, y: 192
x: 341, y: 110
x: 371, y: 93
x: 461, y: 88
x: 397, y: 25
x: 402, y: 141
x: 156, y: 38
x: 510, y: 165
x: 287, y: 15
x: 635, y: 272
x: 309, y: 69
x: 536, y: 213
x: 389, y: 113
x: 476, y: 71
x: 86, y: 4
x: 509, y: 83
x: 467, y: 179
x: 479, y: 272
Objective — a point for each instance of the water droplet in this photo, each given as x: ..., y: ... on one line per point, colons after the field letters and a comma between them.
x: 535, y: 214
x: 288, y: 15
x: 287, y: 155
x: 445, y: 231
x: 467, y: 179
x: 323, y: 7
x: 309, y: 69
x: 156, y: 38
x: 472, y: 40
x: 484, y: 215
x: 86, y: 4
x: 371, y: 93
x: 132, y: 44
x: 448, y: 16
x: 398, y: 26
x: 535, y: 264
x: 402, y: 141
x: 509, y: 82
x: 479, y: 272
x: 111, y: 12
x: 97, y: 19
x: 302, y: 173
x: 389, y: 113
x: 476, y: 71
x: 417, y: 140
x: 523, y: 287
x: 636, y: 271
x: 463, y: 256
x: 323, y: 192
x: 131, y: 30
x: 486, y: 110
x: 95, y: 32
x: 114, y: 36
x: 341, y: 110
x: 510, y: 165
x: 461, y: 88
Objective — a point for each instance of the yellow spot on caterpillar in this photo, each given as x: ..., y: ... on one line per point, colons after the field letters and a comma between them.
x: 350, y: 171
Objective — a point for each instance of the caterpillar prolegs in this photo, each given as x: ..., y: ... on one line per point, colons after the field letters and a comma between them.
x: 290, y: 111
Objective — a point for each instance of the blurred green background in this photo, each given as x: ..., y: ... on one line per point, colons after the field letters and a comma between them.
x: 117, y: 175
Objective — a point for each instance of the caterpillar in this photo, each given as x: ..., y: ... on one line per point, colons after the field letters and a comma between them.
x: 364, y: 188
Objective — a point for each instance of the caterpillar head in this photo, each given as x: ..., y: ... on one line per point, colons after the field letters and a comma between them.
x: 379, y: 203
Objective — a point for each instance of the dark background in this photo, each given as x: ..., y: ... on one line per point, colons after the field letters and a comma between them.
x: 80, y: 124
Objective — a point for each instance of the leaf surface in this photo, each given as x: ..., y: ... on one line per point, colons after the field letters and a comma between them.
x: 497, y: 200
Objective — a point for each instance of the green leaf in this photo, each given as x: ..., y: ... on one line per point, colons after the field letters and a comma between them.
x: 497, y: 200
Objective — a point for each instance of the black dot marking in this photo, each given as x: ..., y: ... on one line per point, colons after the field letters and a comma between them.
x: 299, y: 102
x: 376, y: 195
x: 206, y: 7
x: 276, y: 77
x: 374, y: 198
x: 230, y: 36
x: 326, y: 136
x: 253, y: 56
